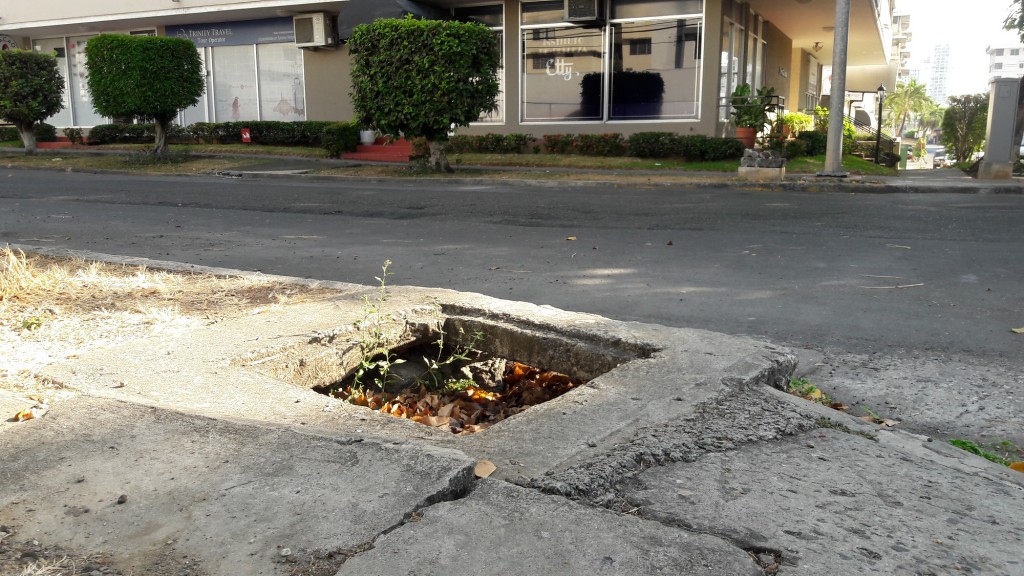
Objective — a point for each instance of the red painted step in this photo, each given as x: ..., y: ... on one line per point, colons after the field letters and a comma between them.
x: 397, y: 151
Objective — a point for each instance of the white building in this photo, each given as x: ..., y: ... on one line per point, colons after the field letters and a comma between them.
x: 1005, y: 61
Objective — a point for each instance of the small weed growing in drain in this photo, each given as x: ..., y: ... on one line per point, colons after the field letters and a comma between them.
x: 446, y: 385
x: 979, y: 451
x: 376, y: 358
x: 805, y: 389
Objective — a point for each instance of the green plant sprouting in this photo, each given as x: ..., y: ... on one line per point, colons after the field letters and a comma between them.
x: 375, y: 356
x: 376, y: 359
x: 979, y: 451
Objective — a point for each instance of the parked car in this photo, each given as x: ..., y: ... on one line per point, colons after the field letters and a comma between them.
x: 940, y: 160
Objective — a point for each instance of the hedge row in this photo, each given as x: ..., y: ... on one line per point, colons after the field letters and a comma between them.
x: 689, y: 146
x: 643, y: 145
x: 269, y: 133
x: 489, y: 144
x: 44, y: 133
x: 134, y: 134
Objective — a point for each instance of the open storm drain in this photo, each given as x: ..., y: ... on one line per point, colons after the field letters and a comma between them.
x: 461, y: 374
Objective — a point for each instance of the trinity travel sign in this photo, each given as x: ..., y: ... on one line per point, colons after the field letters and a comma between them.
x: 267, y: 31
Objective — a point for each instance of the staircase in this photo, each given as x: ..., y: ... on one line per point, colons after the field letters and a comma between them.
x: 382, y: 150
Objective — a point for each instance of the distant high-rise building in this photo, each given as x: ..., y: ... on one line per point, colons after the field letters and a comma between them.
x: 939, y: 81
x: 901, y: 39
x: 1006, y: 61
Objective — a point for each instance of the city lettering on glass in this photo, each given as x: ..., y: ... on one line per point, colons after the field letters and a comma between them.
x: 559, y: 67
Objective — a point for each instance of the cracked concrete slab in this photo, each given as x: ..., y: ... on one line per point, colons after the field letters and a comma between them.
x: 145, y: 484
x: 225, y: 463
x: 828, y: 501
x: 504, y: 529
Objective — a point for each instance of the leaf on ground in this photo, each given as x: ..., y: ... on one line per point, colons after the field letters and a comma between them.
x: 485, y: 468
x: 571, y: 238
x: 26, y: 414
x: 814, y: 394
x: 1018, y: 466
x: 1017, y: 330
x: 869, y: 419
x: 839, y: 406
x: 889, y: 423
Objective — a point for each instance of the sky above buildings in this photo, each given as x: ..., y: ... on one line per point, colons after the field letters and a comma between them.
x: 968, y: 28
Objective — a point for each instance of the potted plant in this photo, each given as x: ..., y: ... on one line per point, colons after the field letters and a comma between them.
x: 750, y: 111
x: 795, y: 122
x: 367, y: 136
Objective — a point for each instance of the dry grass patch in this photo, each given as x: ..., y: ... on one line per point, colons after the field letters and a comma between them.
x: 56, y: 308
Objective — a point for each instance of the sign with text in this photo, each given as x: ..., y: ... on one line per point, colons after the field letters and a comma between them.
x: 266, y: 31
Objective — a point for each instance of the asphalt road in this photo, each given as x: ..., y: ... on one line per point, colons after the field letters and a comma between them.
x: 906, y: 300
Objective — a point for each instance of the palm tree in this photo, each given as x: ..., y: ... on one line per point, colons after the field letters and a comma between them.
x: 907, y: 100
x: 930, y: 120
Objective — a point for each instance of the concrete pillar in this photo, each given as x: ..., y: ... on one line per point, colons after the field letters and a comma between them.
x: 834, y: 151
x: 1000, y: 148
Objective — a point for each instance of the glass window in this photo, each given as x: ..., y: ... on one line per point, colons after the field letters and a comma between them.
x: 80, y: 98
x: 543, y: 12
x: 55, y: 47
x: 197, y: 112
x: 234, y: 84
x: 997, y: 66
x: 650, y: 8
x: 1015, y: 52
x: 562, y: 77
x: 498, y: 114
x: 281, y: 88
x: 662, y: 82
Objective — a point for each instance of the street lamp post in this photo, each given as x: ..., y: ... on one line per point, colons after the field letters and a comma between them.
x: 878, y: 134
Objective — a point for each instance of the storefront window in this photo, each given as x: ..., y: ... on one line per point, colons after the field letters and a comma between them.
x: 234, y: 84
x: 280, y: 81
x: 562, y: 74
x: 81, y: 99
x: 56, y: 48
x: 656, y: 70
x: 543, y: 12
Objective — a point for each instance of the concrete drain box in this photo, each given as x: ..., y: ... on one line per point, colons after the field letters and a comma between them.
x: 456, y: 369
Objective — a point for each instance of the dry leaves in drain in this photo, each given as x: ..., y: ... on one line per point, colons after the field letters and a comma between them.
x: 471, y: 409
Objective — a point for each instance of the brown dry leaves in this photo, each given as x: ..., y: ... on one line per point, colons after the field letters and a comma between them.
x: 470, y: 410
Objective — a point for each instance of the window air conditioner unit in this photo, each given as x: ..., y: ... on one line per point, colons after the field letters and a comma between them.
x: 313, y: 30
x: 583, y: 11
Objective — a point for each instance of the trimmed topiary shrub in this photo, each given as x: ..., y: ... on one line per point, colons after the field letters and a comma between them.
x: 144, y: 77
x: 31, y: 90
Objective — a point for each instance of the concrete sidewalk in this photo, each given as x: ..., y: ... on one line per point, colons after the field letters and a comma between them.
x: 908, y: 181
x: 207, y: 453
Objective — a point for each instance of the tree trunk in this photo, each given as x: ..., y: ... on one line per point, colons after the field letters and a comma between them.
x: 439, y: 157
x: 160, y: 126
x: 28, y: 138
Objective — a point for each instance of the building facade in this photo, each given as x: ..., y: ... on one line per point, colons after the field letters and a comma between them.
x: 618, y: 66
x: 1005, y: 61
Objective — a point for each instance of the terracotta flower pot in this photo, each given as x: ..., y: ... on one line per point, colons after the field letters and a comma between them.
x: 746, y: 135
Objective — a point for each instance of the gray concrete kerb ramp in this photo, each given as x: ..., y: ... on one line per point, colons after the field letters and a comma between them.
x: 680, y: 456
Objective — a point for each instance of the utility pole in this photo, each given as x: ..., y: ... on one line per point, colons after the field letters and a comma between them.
x: 837, y: 99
